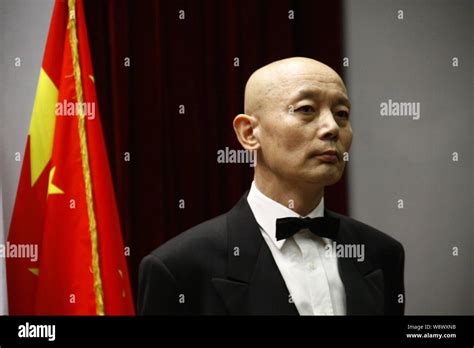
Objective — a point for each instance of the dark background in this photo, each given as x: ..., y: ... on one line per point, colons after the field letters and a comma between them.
x: 190, y: 62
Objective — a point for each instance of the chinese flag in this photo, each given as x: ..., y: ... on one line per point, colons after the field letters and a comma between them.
x: 65, y: 203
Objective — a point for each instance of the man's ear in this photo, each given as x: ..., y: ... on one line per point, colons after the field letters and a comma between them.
x: 244, y: 127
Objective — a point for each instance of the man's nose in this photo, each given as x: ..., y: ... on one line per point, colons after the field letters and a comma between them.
x: 328, y: 127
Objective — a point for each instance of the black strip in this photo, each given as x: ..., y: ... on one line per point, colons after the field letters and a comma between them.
x: 211, y: 329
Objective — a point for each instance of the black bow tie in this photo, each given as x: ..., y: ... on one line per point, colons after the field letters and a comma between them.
x: 321, y: 226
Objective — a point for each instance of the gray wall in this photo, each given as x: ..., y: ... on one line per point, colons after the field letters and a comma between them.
x: 3, y: 285
x: 396, y: 158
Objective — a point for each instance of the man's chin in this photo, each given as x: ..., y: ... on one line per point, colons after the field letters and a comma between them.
x: 326, y: 178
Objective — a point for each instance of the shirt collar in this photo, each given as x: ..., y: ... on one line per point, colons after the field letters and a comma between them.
x: 267, y: 211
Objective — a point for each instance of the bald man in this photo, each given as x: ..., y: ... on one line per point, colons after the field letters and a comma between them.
x: 279, y: 251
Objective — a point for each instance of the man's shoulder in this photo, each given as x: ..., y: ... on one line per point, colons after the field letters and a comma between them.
x: 202, y: 239
x: 369, y: 235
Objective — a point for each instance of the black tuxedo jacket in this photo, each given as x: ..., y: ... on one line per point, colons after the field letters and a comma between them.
x: 224, y: 266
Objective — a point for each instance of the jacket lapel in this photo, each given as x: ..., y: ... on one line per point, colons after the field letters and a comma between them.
x: 363, y: 283
x: 254, y: 285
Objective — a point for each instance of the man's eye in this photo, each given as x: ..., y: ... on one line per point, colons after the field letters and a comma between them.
x: 306, y: 109
x: 342, y: 114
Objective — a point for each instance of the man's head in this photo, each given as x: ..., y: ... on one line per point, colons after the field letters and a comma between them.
x: 296, y: 114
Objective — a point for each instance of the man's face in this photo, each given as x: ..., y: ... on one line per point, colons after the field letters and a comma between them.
x: 304, y: 127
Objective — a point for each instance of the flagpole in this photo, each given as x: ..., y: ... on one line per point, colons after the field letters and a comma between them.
x: 98, y: 289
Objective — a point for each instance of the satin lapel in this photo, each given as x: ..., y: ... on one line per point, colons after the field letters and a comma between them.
x: 363, y: 284
x: 254, y: 285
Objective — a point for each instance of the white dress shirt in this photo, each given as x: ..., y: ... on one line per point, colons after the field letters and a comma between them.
x: 310, y: 274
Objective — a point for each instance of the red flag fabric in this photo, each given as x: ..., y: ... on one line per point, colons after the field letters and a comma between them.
x: 65, y: 205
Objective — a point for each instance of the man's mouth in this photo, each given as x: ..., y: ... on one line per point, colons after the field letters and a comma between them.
x: 328, y: 156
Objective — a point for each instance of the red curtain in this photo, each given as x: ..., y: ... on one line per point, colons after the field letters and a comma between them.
x: 190, y: 62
